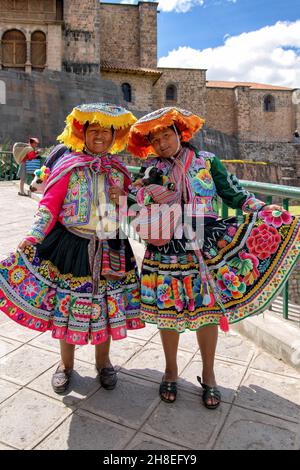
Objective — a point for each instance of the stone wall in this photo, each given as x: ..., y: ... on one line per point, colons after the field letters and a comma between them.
x: 191, y: 92
x: 119, y: 34
x: 37, y: 104
x: 271, y: 126
x: 148, y: 34
x: 128, y: 34
x: 81, y: 36
x: 141, y: 89
x: 220, y: 110
x: 240, y: 111
x: 284, y: 154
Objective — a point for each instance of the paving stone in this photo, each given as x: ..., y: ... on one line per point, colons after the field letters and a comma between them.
x: 249, y: 430
x: 187, y: 341
x: 3, y: 318
x: 186, y: 422
x: 266, y: 362
x: 26, y: 363
x: 83, y: 383
x: 150, y: 362
x: 270, y: 393
x: 7, y: 389
x: 129, y: 403
x: 13, y: 330
x: 228, y: 376
x: 144, y: 333
x: 120, y: 351
x: 7, y: 345
x: 26, y: 417
x: 83, y: 431
x: 5, y: 447
x: 234, y: 346
x: 46, y: 341
x: 144, y: 442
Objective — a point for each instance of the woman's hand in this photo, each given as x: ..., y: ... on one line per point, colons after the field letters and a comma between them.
x: 272, y: 207
x: 23, y: 244
x: 115, y: 192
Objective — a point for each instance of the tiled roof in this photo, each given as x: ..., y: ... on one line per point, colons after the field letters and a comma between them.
x: 115, y: 67
x: 252, y: 85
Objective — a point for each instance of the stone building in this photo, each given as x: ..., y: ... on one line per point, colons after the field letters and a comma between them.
x: 118, y: 43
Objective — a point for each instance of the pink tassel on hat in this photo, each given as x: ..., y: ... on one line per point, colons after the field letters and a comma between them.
x: 224, y: 325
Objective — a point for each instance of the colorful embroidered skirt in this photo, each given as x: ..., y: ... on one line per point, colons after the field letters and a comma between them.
x: 249, y: 257
x: 49, y: 287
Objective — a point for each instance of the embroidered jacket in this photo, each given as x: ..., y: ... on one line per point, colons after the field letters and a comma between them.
x: 206, y: 178
x: 70, y: 193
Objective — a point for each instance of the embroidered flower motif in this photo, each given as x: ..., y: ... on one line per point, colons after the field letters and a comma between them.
x: 164, y: 292
x: 18, y: 275
x: 231, y: 231
x: 230, y: 283
x: 2, y: 302
x: 12, y: 310
x: 48, y: 301
x: 276, y: 218
x: 246, y: 265
x: 65, y: 306
x: 263, y: 241
x: 112, y: 307
x: 196, y: 291
x: 96, y: 311
x: 203, y: 183
x: 133, y: 297
x: 29, y: 288
x: 222, y: 243
x: 9, y: 262
x: 148, y: 286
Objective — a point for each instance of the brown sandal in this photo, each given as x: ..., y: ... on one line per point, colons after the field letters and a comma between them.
x: 61, y: 380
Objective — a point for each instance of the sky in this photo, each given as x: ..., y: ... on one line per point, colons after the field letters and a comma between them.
x: 235, y: 40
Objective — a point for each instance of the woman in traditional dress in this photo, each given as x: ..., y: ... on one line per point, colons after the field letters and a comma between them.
x: 233, y: 272
x: 67, y: 275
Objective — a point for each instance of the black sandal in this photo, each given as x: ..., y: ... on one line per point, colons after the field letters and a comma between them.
x: 108, y: 377
x: 208, y: 394
x: 168, y: 387
x: 61, y: 380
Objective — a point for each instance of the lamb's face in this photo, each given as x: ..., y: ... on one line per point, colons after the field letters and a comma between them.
x: 37, y: 185
x: 152, y: 176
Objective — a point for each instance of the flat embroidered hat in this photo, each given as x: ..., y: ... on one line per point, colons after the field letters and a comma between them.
x: 106, y: 115
x: 186, y: 123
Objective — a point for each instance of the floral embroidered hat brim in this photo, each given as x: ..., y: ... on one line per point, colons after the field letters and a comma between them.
x: 186, y: 123
x: 104, y: 114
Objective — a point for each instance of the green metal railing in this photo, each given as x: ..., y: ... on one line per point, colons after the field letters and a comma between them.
x: 285, y: 193
x: 8, y: 166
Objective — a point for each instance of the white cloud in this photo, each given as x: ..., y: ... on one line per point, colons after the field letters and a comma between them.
x: 181, y: 6
x: 268, y: 55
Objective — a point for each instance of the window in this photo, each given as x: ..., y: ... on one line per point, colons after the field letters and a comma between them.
x: 171, y: 93
x: 38, y: 50
x: 126, y: 90
x: 269, y: 103
x: 13, y: 46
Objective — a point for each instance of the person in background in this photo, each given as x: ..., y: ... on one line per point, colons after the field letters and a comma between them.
x: 32, y: 156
